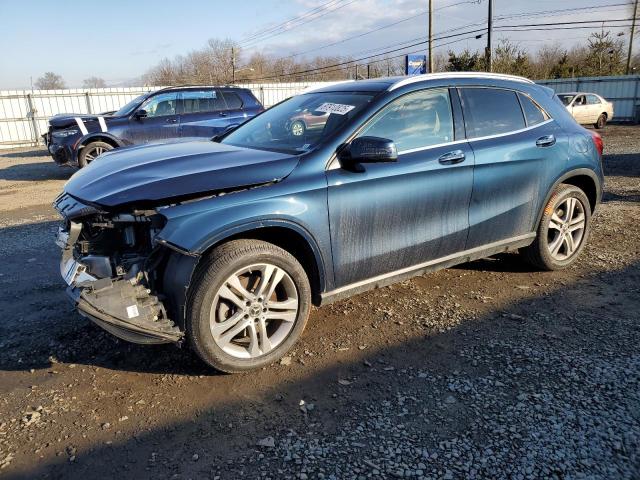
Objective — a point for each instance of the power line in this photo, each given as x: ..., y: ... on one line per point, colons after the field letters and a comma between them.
x: 524, y: 28
x: 272, y: 28
x: 279, y: 30
x: 411, y: 17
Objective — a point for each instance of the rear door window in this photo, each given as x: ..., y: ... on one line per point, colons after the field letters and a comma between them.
x: 532, y: 112
x: 490, y: 111
x: 202, y: 101
x: 592, y: 100
x: 233, y: 100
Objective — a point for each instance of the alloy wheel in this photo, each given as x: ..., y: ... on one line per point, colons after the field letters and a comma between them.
x: 254, y: 311
x: 297, y: 129
x: 566, y: 228
x: 94, y: 153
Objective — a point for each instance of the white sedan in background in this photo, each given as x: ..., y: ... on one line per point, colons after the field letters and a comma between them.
x: 588, y: 108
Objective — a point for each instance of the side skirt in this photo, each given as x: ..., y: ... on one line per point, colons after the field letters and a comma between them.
x: 465, y: 256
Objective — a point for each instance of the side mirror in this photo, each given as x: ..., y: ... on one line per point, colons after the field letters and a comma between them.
x: 142, y: 113
x: 367, y: 150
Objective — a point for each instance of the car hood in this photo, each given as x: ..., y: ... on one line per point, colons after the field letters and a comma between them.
x: 63, y: 120
x: 156, y: 173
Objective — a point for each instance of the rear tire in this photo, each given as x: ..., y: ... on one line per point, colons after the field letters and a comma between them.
x: 248, y: 305
x: 91, y: 151
x: 563, y: 230
x: 601, y: 122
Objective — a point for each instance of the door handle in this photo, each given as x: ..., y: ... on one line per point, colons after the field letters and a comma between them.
x: 172, y: 120
x: 452, y: 158
x: 223, y: 114
x: 546, y: 141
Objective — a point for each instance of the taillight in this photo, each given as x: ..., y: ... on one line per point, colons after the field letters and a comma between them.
x: 597, y: 142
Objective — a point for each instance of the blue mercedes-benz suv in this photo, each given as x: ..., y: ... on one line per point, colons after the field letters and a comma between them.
x: 226, y: 244
x: 160, y: 116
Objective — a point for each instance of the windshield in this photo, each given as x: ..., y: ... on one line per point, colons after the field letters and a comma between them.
x: 300, y: 123
x: 128, y: 108
x: 565, y: 98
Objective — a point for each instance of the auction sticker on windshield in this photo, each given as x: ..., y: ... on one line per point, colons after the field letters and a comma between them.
x: 338, y: 108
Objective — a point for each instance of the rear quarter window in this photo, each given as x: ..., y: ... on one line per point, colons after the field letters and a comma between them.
x: 533, y: 114
x: 490, y: 111
x: 249, y: 100
x: 233, y: 100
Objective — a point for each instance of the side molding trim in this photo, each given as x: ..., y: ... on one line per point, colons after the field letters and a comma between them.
x: 432, y: 265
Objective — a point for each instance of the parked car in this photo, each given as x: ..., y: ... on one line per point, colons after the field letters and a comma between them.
x: 588, y: 108
x: 227, y: 244
x: 160, y: 116
x: 306, y: 120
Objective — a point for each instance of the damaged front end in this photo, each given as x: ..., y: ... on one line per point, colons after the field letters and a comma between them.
x: 113, y: 270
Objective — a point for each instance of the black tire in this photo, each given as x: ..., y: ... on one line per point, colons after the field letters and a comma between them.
x: 209, y: 278
x: 538, y: 253
x: 601, y: 122
x: 298, y: 126
x: 92, y: 150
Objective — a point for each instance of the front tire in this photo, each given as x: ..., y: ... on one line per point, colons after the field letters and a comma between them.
x: 601, y: 122
x: 91, y: 151
x: 563, y: 230
x: 248, y: 305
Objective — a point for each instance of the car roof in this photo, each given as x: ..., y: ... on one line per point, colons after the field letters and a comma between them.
x: 392, y: 83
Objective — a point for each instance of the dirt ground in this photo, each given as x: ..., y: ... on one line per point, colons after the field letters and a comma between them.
x: 489, y: 369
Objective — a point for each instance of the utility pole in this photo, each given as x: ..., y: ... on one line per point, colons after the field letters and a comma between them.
x: 233, y: 65
x: 489, y: 32
x: 633, y: 27
x: 356, y: 71
x: 368, y: 70
x: 430, y: 36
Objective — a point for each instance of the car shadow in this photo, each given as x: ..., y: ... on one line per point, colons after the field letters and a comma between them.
x: 502, y: 262
x: 621, y: 165
x: 40, y: 152
x: 36, y: 172
x: 206, y: 439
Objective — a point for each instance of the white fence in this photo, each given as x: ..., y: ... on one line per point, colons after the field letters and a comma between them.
x: 623, y: 91
x: 24, y: 114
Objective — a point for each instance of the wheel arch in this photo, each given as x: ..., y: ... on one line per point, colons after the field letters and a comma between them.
x: 99, y: 137
x: 584, y: 179
x: 287, y: 235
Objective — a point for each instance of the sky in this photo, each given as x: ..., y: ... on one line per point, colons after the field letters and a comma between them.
x: 118, y: 40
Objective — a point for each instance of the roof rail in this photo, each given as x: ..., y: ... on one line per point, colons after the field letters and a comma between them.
x: 436, y: 76
x: 226, y: 85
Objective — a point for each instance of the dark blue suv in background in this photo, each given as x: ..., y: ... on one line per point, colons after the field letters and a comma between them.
x: 160, y: 116
x: 227, y: 244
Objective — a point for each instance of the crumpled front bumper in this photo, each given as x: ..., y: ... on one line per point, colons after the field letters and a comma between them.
x: 63, y: 155
x: 125, y: 308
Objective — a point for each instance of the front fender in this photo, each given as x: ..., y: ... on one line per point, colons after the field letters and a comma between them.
x: 193, y: 228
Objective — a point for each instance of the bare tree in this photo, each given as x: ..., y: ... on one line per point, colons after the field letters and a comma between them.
x: 94, y: 82
x: 50, y: 81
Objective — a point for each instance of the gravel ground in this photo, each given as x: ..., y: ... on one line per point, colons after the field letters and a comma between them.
x: 486, y: 370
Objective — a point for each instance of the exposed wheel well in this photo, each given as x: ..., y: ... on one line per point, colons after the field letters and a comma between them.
x: 292, y: 242
x: 587, y: 185
x: 108, y: 140
x: 605, y: 114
